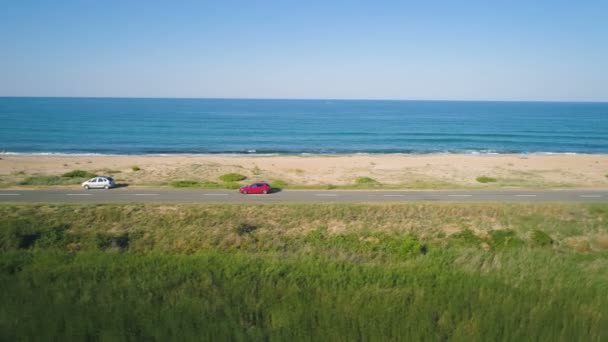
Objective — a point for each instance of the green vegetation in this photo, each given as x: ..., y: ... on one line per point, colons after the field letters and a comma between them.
x: 365, y: 181
x: 232, y: 181
x: 136, y: 168
x: 186, y: 184
x: 232, y: 177
x: 203, y: 184
x: 504, y: 239
x: 486, y: 179
x: 420, y: 271
x: 245, y: 228
x: 541, y: 238
x: 230, y: 185
x: 49, y: 180
x: 78, y: 174
x: 42, y: 180
x: 278, y: 183
x: 73, y: 177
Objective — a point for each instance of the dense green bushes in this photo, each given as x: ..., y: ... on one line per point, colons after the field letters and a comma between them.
x: 486, y: 179
x: 366, y: 181
x: 79, y: 174
x: 232, y: 177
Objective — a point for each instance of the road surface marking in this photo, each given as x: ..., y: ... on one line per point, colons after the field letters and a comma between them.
x: 215, y: 194
x: 147, y: 194
x: 393, y: 195
x: 326, y: 195
x: 525, y: 195
x: 460, y: 195
x: 78, y: 194
x: 10, y: 194
x: 591, y: 196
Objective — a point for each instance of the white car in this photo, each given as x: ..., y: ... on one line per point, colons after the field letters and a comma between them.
x: 101, y: 182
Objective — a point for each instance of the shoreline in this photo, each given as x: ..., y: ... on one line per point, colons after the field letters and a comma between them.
x: 302, y: 154
x: 407, y: 171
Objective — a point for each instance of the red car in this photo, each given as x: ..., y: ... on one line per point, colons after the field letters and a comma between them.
x: 255, y: 188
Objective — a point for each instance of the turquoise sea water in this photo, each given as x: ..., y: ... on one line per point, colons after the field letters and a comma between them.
x: 175, y: 126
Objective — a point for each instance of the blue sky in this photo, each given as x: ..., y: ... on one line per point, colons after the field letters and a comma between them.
x: 452, y: 50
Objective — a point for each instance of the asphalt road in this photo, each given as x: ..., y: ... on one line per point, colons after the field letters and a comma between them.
x: 297, y: 196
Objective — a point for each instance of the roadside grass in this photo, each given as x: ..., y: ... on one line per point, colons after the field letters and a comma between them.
x: 419, y: 271
x: 6, y: 181
x: 412, y: 185
x: 486, y: 179
x: 68, y: 178
x: 361, y: 183
x: 23, y: 179
x: 229, y: 181
x: 40, y: 180
x: 230, y: 185
x: 186, y: 184
x: 193, y: 184
x: 208, y: 226
x: 135, y: 168
x: 429, y: 184
x: 49, y: 180
x: 278, y: 184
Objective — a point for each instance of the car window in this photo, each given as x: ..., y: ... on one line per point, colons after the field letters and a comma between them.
x: 110, y: 179
x: 92, y: 180
x: 253, y: 185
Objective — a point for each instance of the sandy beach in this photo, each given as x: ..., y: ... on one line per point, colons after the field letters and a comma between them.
x: 441, y: 171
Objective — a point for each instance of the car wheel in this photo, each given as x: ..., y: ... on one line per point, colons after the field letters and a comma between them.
x: 265, y: 192
x: 106, y: 187
x: 86, y: 187
x: 244, y: 192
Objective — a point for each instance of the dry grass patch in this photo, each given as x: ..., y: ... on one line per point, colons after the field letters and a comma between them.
x: 568, y: 223
x: 600, y: 242
x: 580, y: 244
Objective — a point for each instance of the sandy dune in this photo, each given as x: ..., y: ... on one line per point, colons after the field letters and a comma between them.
x: 408, y: 171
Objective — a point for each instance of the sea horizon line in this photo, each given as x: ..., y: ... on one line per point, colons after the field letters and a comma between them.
x: 299, y: 99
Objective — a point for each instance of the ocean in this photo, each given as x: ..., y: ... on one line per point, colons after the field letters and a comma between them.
x: 262, y: 127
